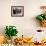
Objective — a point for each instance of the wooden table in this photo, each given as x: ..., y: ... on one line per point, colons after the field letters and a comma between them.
x: 25, y: 44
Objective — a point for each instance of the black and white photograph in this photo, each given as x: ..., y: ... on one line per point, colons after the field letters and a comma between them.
x: 17, y: 11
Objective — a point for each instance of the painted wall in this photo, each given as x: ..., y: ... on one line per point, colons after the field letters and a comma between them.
x: 26, y: 25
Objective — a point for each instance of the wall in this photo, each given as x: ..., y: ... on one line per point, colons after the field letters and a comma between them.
x: 26, y: 25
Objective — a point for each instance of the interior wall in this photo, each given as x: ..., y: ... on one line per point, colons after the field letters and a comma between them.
x: 26, y: 25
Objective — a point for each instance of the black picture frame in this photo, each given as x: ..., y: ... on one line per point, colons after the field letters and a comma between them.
x: 17, y: 11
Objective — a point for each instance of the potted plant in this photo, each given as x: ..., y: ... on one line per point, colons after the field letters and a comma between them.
x: 10, y: 31
x: 42, y: 17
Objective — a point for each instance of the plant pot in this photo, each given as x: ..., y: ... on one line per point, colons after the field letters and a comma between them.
x: 13, y: 38
x: 9, y: 41
x: 43, y: 23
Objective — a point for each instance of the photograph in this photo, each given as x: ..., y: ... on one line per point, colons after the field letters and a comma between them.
x: 17, y: 11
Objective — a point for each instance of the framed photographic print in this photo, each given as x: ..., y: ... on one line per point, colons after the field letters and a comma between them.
x: 17, y: 11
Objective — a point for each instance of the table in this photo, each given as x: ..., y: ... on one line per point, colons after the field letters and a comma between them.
x: 25, y: 44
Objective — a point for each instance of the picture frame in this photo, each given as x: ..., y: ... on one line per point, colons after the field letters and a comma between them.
x: 17, y: 11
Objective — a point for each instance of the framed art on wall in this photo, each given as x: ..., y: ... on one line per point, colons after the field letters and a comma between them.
x: 17, y: 11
